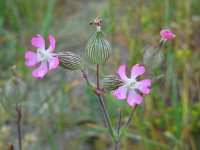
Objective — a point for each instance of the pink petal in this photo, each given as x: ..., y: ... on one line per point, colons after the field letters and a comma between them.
x: 53, y: 62
x: 137, y: 70
x: 162, y: 32
x: 52, y: 43
x: 121, y: 92
x: 134, y: 98
x: 38, y: 42
x: 41, y: 71
x: 31, y: 59
x: 143, y: 86
x: 122, y: 73
x: 167, y: 34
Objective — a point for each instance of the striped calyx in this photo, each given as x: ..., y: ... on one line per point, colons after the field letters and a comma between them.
x: 71, y: 61
x: 111, y: 82
x: 13, y: 92
x: 153, y: 57
x: 98, y: 49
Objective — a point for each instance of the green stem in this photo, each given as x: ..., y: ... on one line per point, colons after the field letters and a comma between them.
x: 97, y: 74
x: 98, y: 92
x: 130, y: 117
x: 89, y: 84
x: 117, y: 143
x: 103, y: 107
x: 19, y: 111
x: 106, y: 116
x: 119, y: 122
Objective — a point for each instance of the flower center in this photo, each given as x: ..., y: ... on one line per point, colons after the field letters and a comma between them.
x: 43, y: 54
x: 131, y: 83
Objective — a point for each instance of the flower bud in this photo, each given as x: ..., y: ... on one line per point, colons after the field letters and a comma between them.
x: 111, y: 82
x: 71, y: 61
x: 98, y: 49
x: 153, y: 57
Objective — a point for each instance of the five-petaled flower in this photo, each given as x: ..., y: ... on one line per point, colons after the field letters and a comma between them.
x: 167, y: 34
x: 128, y: 90
x: 47, y: 59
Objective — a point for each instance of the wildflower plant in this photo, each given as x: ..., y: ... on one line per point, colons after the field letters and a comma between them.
x: 98, y: 50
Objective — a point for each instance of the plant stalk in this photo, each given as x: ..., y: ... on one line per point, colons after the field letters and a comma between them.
x: 97, y: 74
x: 98, y: 92
x: 103, y: 107
x: 19, y: 115
x: 106, y: 116
x: 130, y: 117
x: 117, y: 143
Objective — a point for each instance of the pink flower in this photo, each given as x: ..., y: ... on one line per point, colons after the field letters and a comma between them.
x: 128, y: 90
x: 167, y: 34
x: 46, y: 58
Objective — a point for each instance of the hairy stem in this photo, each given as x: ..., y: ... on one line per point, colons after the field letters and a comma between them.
x: 98, y: 92
x: 97, y: 74
x: 130, y: 117
x: 101, y: 102
x: 19, y: 115
x: 119, y: 122
x: 106, y: 116
x: 117, y: 143
x: 89, y: 84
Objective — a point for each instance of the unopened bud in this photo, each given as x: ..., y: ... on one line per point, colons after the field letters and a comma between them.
x: 111, y: 82
x: 98, y: 49
x: 71, y: 61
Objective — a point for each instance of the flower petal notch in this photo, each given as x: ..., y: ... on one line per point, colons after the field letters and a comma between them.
x: 130, y: 87
x: 46, y: 59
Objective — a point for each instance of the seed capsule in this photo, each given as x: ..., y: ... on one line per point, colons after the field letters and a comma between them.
x: 12, y: 93
x: 153, y: 57
x: 98, y: 49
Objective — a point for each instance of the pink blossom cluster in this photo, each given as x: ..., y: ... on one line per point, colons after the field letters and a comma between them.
x: 132, y: 89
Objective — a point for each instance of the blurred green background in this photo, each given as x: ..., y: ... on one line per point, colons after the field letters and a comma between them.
x: 59, y: 112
